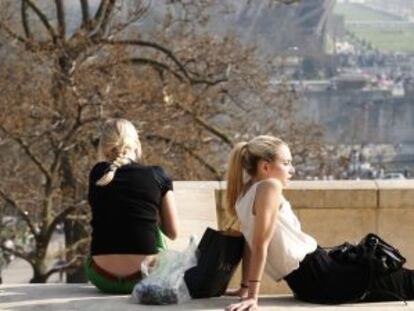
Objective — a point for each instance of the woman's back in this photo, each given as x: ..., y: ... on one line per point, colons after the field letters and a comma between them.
x: 125, y: 212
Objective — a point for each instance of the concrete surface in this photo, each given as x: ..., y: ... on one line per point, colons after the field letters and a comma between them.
x: 62, y: 297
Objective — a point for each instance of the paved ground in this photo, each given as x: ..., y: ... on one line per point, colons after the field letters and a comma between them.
x: 63, y: 297
x: 19, y: 271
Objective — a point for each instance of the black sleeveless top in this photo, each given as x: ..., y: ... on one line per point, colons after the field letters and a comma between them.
x: 125, y: 212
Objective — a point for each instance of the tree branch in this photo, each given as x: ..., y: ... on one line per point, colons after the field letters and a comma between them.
x: 76, y: 125
x: 153, y: 63
x: 153, y: 45
x: 28, y: 152
x: 69, y: 265
x: 105, y: 20
x: 102, y: 17
x: 64, y: 267
x: 11, y: 33
x: 32, y: 156
x: 138, y: 13
x: 208, y: 82
x: 88, y: 23
x: 170, y: 55
x: 190, y: 151
x: 56, y: 220
x: 99, y: 12
x: 212, y: 129
x: 72, y: 248
x: 21, y: 212
x: 17, y: 254
x: 25, y: 21
x: 43, y: 19
x: 85, y: 13
x: 60, y: 12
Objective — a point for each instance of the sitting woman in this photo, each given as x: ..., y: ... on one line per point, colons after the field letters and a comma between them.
x: 277, y: 244
x: 132, y: 206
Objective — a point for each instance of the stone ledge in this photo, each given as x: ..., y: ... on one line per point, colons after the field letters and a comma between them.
x: 73, y: 297
x: 395, y: 193
x: 333, y: 194
x: 340, y: 194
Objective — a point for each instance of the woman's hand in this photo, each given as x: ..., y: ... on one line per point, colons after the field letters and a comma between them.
x: 241, y: 292
x: 249, y: 304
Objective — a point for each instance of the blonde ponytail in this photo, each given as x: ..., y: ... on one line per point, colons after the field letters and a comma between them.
x: 109, y: 176
x: 235, y: 176
x: 245, y: 157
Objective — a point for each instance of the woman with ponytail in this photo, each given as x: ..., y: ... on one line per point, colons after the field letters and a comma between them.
x: 132, y: 207
x: 258, y: 172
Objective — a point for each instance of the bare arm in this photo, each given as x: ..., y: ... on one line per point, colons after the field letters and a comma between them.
x: 245, y: 265
x: 242, y: 291
x: 168, y: 216
x: 266, y: 207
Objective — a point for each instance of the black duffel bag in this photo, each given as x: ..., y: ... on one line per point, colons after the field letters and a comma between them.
x: 371, y: 251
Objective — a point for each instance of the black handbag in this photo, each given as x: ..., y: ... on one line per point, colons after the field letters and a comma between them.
x: 219, y: 256
x: 373, y: 252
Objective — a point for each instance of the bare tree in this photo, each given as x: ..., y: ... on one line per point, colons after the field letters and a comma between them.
x: 191, y: 95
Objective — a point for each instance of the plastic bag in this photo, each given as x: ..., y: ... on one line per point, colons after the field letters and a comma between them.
x: 165, y: 282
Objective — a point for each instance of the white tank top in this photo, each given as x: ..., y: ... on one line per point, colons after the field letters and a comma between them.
x: 288, y: 246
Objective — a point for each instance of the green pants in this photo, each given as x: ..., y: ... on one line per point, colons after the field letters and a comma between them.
x: 119, y: 286
x: 161, y: 241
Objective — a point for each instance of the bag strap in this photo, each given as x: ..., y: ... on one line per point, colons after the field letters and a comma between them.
x: 228, y: 231
x: 231, y: 224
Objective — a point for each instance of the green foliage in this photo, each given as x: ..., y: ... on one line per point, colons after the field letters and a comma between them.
x: 356, y: 12
x: 388, y: 41
x: 385, y: 37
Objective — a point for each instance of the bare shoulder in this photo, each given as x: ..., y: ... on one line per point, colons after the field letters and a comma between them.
x: 270, y: 186
x: 268, y: 196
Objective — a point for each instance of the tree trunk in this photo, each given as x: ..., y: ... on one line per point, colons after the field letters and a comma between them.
x: 73, y: 233
x: 38, y: 277
x: 74, y: 230
x: 39, y: 271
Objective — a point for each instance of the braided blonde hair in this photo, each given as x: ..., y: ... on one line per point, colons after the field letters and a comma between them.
x: 119, y: 145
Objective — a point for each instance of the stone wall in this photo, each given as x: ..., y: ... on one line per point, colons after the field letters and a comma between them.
x: 330, y: 211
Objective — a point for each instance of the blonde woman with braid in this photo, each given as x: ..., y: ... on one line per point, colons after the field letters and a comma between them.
x: 131, y: 203
x: 276, y: 243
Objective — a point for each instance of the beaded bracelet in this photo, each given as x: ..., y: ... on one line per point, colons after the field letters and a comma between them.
x: 244, y: 285
x: 254, y: 281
